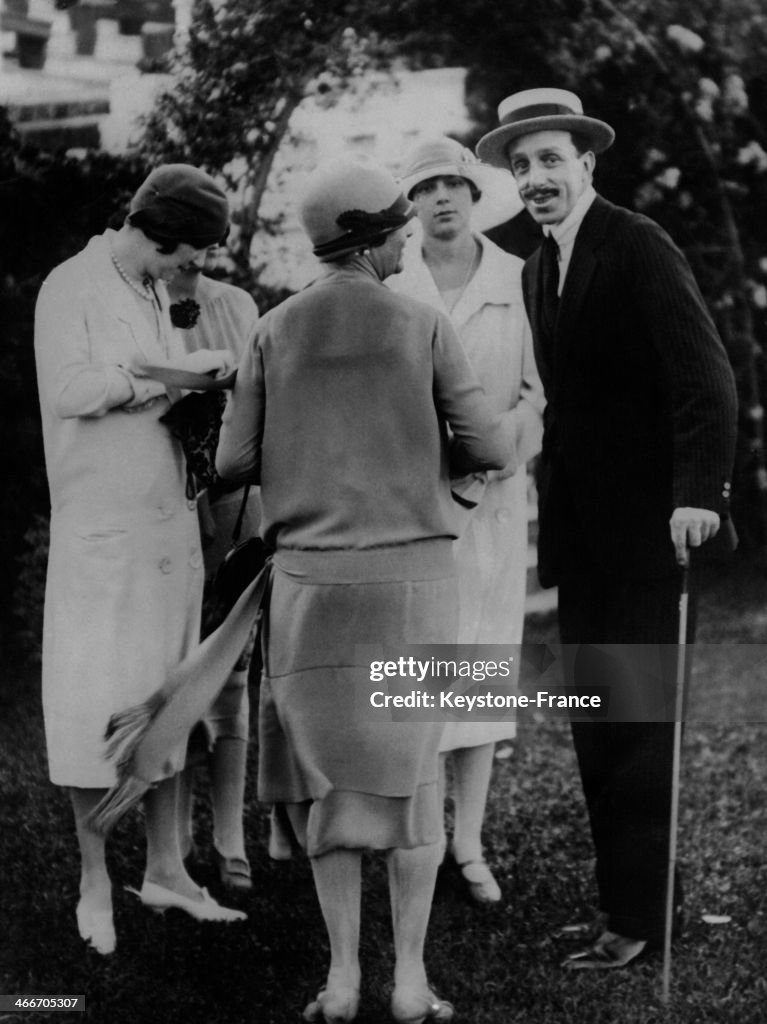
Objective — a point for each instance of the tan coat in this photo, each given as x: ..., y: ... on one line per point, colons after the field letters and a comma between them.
x: 125, y: 568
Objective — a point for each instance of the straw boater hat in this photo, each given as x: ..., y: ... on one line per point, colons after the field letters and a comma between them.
x: 441, y: 156
x: 541, y: 110
x: 350, y: 203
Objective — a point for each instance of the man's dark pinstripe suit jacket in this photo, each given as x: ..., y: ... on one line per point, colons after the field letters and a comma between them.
x: 641, y: 413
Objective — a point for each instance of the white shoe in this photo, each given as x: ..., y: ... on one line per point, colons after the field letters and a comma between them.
x: 160, y: 899
x: 479, y: 882
x: 97, y: 928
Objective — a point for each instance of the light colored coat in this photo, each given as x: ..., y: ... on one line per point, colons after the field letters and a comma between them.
x: 125, y: 568
x: 491, y: 553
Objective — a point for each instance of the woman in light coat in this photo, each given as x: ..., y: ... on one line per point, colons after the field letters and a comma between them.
x: 125, y: 569
x: 466, y: 276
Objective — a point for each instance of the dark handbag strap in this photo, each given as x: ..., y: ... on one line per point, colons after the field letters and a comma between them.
x: 240, y: 515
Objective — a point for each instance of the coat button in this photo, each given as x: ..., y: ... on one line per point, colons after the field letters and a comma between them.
x: 195, y: 559
x: 191, y: 503
x: 502, y: 515
x: 165, y: 565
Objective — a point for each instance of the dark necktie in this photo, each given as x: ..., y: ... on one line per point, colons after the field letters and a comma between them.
x: 549, y: 284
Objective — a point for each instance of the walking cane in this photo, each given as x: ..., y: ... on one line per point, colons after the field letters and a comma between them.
x: 681, y: 669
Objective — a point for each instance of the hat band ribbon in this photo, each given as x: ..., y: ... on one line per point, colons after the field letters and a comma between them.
x: 539, y: 110
x: 361, y: 226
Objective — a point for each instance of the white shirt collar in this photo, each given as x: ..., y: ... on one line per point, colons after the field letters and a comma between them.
x: 565, y: 232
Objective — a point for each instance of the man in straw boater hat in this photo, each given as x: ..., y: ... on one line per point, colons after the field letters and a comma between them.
x: 638, y: 445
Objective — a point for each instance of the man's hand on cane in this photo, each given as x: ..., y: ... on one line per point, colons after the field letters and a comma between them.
x: 691, y: 527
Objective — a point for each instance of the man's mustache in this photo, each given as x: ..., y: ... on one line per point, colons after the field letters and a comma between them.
x: 538, y: 193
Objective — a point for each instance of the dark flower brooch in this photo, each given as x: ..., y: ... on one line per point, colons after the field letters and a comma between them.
x: 185, y: 314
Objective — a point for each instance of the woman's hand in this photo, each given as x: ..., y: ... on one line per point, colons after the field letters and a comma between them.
x: 212, y: 362
x: 144, y: 390
x: 215, y: 362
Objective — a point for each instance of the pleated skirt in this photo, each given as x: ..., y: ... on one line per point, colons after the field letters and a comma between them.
x: 366, y: 782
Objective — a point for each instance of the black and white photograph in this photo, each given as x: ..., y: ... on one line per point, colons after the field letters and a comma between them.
x: 384, y: 628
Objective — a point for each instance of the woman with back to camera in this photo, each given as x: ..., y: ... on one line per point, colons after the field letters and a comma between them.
x: 340, y: 411
x: 125, y: 572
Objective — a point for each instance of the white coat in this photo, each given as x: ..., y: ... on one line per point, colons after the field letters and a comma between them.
x: 491, y: 553
x: 125, y: 567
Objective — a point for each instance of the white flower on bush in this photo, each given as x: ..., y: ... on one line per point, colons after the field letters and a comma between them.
x: 602, y: 53
x: 685, y: 38
x: 759, y: 296
x: 669, y: 178
x: 652, y: 158
x: 174, y: 133
x: 735, y: 95
x: 704, y: 108
x: 753, y: 154
x: 647, y: 195
x: 709, y: 88
x: 763, y: 264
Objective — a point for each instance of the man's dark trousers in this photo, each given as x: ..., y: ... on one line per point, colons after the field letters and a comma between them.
x: 626, y: 765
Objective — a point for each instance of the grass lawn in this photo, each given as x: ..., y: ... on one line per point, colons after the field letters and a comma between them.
x: 498, y: 965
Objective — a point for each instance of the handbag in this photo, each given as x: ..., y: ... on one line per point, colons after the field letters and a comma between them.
x: 195, y: 421
x: 239, y: 567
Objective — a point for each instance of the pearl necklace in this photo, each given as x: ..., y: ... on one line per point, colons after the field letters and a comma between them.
x: 146, y: 291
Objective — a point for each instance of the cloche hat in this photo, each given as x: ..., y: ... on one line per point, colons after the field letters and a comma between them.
x: 351, y: 202
x: 540, y: 110
x: 181, y: 203
x: 441, y: 156
x: 438, y: 156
